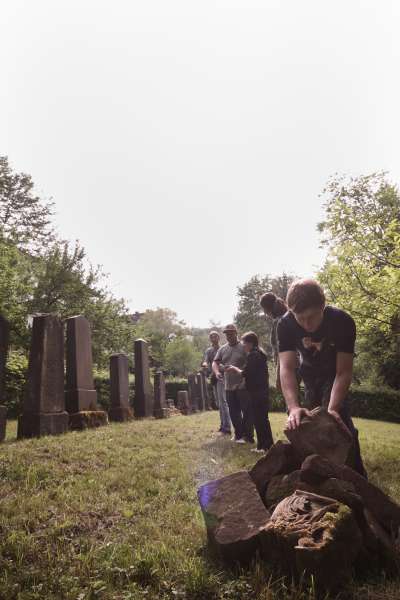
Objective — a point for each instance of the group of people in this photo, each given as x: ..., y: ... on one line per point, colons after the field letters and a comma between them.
x: 311, y: 342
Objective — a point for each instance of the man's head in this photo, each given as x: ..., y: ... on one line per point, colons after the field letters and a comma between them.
x: 231, y: 334
x: 306, y: 300
x: 214, y: 338
x: 272, y: 305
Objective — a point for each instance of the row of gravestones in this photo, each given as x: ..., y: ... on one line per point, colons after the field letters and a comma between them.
x: 48, y: 408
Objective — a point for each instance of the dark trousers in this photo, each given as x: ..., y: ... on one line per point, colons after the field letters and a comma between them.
x: 260, y: 404
x: 318, y: 393
x: 240, y: 411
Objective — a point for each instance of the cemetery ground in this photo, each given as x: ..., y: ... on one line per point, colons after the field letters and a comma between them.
x: 112, y: 513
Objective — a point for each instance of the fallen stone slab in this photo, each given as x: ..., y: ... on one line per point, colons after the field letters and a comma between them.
x: 382, y: 507
x: 281, y: 486
x: 280, y: 459
x: 321, y: 434
x: 234, y: 515
x: 313, y: 535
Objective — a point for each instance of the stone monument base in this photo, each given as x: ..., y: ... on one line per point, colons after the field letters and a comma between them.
x: 162, y: 413
x: 38, y: 424
x: 173, y: 411
x: 120, y: 414
x: 80, y: 400
x: 87, y: 419
x: 3, y: 422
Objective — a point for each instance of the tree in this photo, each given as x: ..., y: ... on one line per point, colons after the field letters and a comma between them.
x: 250, y: 316
x: 157, y: 327
x: 24, y: 217
x: 181, y: 357
x: 361, y: 232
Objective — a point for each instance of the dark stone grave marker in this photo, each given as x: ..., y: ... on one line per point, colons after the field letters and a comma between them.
x: 120, y: 409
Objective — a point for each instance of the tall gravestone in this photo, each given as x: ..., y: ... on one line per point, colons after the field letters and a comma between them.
x: 44, y: 402
x: 199, y: 392
x: 120, y: 409
x: 143, y: 401
x: 4, y: 341
x: 160, y: 409
x: 205, y: 398
x: 80, y: 395
x: 193, y: 392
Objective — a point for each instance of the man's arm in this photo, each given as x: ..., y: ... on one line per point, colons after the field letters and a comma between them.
x: 216, y: 371
x: 344, y: 374
x: 290, y: 388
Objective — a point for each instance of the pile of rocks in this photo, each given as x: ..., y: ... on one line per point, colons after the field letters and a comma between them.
x: 304, y: 511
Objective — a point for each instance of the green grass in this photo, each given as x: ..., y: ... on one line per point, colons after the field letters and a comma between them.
x: 113, y: 513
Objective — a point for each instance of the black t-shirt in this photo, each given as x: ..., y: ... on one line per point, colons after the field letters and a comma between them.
x: 318, y: 350
x: 255, y: 372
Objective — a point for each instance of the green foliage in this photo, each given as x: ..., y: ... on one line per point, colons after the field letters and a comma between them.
x: 14, y: 382
x: 361, y: 231
x: 250, y: 316
x: 181, y: 357
x: 157, y: 327
x: 175, y: 385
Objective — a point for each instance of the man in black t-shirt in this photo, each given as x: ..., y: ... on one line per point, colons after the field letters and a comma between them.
x: 324, y: 337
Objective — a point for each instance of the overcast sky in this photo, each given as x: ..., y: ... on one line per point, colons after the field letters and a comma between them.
x: 185, y: 143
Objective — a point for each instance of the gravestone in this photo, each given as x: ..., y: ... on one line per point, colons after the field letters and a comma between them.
x: 193, y: 392
x: 200, y: 392
x: 44, y: 403
x: 4, y: 341
x: 235, y: 516
x: 120, y: 409
x: 161, y: 410
x: 206, y: 402
x: 321, y: 434
x: 80, y: 395
x: 143, y: 401
x: 183, y: 402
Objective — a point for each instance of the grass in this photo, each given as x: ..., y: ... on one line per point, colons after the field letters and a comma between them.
x: 112, y: 513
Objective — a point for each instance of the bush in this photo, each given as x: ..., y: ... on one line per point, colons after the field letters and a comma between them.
x: 369, y: 403
x: 174, y: 386
x: 14, y: 383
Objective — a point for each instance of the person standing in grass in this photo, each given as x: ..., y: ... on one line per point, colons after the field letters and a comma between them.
x: 274, y: 308
x: 255, y: 375
x: 324, y: 337
x: 237, y: 397
x: 218, y: 384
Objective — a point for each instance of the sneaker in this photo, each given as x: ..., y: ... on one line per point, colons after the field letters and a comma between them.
x: 257, y: 451
x: 240, y: 441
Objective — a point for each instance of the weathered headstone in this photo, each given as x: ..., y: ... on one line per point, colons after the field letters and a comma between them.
x: 44, y: 403
x: 321, y: 434
x: 4, y: 341
x: 206, y: 401
x: 183, y: 402
x: 280, y: 459
x: 193, y: 392
x: 161, y: 410
x: 120, y: 409
x: 143, y: 401
x: 199, y: 392
x: 80, y: 395
x: 313, y: 535
x: 234, y: 515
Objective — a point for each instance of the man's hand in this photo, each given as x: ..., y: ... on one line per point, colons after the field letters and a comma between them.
x: 232, y: 369
x: 295, y: 416
x: 219, y: 376
x: 340, y: 422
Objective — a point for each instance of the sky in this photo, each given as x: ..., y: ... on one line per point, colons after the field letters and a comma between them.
x: 186, y: 144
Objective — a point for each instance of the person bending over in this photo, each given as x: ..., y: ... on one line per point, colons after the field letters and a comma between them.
x: 255, y: 374
x: 324, y: 336
x: 233, y: 353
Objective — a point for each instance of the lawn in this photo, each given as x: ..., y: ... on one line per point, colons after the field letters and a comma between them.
x: 113, y: 514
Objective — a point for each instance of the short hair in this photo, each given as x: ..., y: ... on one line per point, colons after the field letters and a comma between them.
x: 304, y: 294
x: 272, y: 304
x: 251, y: 338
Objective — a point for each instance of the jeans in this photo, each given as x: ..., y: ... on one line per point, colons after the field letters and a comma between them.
x: 259, y: 403
x: 318, y: 393
x: 241, y: 414
x: 219, y: 392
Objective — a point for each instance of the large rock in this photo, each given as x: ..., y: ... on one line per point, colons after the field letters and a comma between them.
x: 383, y: 508
x: 280, y: 459
x: 314, y: 535
x: 235, y: 516
x: 321, y: 434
